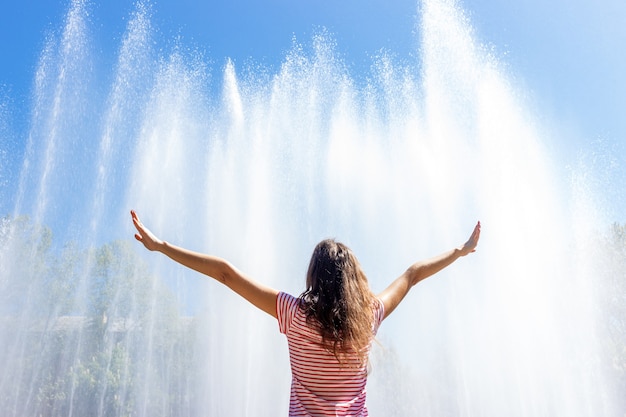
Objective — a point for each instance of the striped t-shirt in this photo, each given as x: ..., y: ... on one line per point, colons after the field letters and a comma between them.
x: 320, y: 385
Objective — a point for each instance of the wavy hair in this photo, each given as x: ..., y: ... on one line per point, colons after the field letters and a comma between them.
x: 338, y: 300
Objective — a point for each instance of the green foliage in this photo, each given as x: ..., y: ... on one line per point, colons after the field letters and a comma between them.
x: 87, y: 331
x: 24, y: 260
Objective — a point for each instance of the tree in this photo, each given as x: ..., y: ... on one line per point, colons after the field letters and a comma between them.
x: 87, y: 331
x: 24, y: 260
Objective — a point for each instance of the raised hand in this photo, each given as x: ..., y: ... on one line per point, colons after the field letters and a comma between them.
x: 472, y: 242
x: 144, y: 235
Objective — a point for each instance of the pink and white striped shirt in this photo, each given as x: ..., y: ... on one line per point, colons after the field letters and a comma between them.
x: 320, y: 385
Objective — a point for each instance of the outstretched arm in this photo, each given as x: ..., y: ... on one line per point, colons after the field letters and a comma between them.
x: 261, y: 296
x: 395, y: 293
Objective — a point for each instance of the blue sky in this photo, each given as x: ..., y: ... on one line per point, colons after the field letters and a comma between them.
x: 569, y: 55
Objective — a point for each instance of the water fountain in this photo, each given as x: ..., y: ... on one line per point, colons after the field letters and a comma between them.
x: 398, y: 166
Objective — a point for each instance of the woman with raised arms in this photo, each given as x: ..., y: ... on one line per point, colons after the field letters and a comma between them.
x: 330, y: 326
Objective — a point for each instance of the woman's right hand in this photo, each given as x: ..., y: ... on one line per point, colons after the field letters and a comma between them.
x: 145, y: 236
x: 472, y: 242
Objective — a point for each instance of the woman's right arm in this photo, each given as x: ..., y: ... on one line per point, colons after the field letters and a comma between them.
x: 395, y: 293
x: 259, y: 295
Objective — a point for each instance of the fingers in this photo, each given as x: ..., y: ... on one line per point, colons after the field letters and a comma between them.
x: 135, y: 218
x: 144, y: 235
x: 472, y: 242
x: 137, y: 222
x: 476, y: 233
x: 475, y: 237
x: 138, y: 226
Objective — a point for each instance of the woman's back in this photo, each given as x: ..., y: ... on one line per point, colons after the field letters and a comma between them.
x: 321, y: 384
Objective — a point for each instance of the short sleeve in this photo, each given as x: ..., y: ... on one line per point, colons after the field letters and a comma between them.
x: 286, y: 308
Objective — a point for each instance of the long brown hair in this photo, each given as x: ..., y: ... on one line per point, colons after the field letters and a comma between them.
x: 338, y: 300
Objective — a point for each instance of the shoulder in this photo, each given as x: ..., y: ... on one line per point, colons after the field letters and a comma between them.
x: 287, y: 300
x: 286, y: 307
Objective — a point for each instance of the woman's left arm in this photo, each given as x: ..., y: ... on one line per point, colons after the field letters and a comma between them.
x: 259, y: 295
x: 399, y: 288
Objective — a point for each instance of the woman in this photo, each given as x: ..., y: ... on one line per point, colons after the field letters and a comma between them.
x: 330, y: 326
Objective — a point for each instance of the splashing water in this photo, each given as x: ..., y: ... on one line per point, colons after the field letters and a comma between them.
x: 399, y: 167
